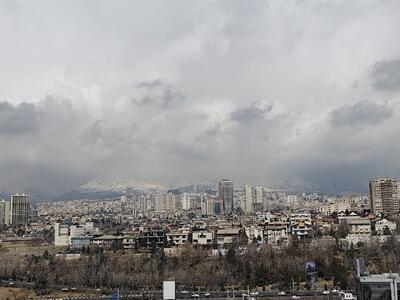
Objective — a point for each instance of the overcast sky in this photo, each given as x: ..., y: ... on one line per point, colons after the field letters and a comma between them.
x: 180, y: 91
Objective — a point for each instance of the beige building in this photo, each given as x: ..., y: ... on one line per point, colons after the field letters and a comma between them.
x: 248, y: 199
x: 384, y: 195
x: 4, y: 212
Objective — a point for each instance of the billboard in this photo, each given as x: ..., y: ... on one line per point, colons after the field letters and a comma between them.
x: 169, y: 290
x: 311, y: 269
x: 360, y: 267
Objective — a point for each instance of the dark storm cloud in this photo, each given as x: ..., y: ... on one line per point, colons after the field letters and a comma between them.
x: 151, y: 84
x: 361, y: 114
x: 250, y: 114
x: 18, y: 119
x: 386, y: 75
x: 158, y: 93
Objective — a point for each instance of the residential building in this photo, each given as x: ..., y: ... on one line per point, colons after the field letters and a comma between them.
x: 384, y: 195
x: 275, y: 232
x: 300, y: 224
x: 248, y: 199
x: 383, y: 226
x: 186, y: 201
x: 202, y: 237
x: 359, y: 226
x: 4, y: 212
x: 254, y: 233
x: 152, y: 237
x: 227, y: 236
x: 61, y: 234
x: 179, y: 237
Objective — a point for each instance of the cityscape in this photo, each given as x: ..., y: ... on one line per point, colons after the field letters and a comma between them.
x: 232, y: 233
x: 199, y: 149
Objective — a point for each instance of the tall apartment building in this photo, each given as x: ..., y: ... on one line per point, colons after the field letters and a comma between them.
x: 225, y: 194
x: 384, y: 195
x: 248, y: 199
x: 258, y: 194
x: 4, y: 212
x: 20, y: 208
x: 186, y: 201
x: 207, y: 205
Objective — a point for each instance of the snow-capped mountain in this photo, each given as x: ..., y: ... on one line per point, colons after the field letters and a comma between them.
x: 120, y: 185
x: 100, y: 188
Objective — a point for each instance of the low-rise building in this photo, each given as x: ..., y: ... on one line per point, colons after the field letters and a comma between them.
x: 378, y: 286
x: 360, y: 226
x: 254, y: 234
x: 384, y: 226
x: 275, y: 232
x: 202, y: 237
x: 61, y: 234
x: 179, y: 237
x: 228, y: 236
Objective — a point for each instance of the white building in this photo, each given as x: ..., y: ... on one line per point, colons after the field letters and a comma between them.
x: 275, y: 232
x: 254, y: 233
x: 207, y: 205
x: 179, y: 237
x: 226, y: 236
x: 300, y: 224
x: 359, y: 226
x: 61, y: 235
x: 258, y: 194
x: 4, y: 212
x: 248, y: 199
x: 202, y: 238
x: 381, y: 224
x: 186, y: 201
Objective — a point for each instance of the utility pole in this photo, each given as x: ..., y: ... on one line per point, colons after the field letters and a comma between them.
x: 292, y: 284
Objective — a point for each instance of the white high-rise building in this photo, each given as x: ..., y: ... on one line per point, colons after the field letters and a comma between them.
x: 248, y: 199
x: 207, y: 205
x: 4, y: 212
x: 159, y: 202
x: 142, y: 203
x: 186, y: 201
x: 258, y: 194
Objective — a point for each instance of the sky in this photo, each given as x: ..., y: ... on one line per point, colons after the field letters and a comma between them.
x: 187, y: 91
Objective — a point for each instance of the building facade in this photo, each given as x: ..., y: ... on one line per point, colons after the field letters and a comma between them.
x: 20, y: 208
x: 384, y: 195
x: 225, y: 194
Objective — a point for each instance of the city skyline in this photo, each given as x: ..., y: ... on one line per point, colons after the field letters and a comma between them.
x: 259, y: 92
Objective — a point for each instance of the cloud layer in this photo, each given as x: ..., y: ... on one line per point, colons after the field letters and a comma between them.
x: 258, y: 91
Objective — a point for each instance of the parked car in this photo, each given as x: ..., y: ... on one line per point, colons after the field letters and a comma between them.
x: 325, y: 292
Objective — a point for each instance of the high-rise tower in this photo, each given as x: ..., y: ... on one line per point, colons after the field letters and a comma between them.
x: 19, y: 209
x: 384, y: 195
x: 225, y: 194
